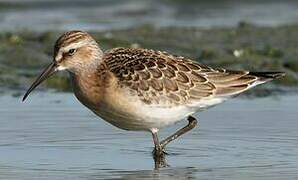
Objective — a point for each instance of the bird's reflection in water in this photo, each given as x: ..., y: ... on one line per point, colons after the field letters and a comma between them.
x: 162, y: 173
x: 160, y: 162
x: 161, y: 170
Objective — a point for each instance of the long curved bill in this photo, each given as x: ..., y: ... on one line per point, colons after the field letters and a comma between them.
x: 49, y: 70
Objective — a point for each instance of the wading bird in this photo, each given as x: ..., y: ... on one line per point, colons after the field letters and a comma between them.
x: 144, y: 90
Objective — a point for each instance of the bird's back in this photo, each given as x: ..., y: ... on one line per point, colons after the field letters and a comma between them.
x: 162, y: 79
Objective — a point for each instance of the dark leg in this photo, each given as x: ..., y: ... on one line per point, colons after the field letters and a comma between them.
x: 158, y: 153
x: 157, y: 148
x: 192, y: 122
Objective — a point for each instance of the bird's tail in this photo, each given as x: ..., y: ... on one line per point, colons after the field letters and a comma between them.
x: 267, y: 76
x: 243, y: 81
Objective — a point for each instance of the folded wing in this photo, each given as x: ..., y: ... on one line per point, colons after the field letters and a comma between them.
x: 164, y: 79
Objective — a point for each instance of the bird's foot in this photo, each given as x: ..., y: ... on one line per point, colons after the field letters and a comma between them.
x: 159, y: 152
x: 159, y: 157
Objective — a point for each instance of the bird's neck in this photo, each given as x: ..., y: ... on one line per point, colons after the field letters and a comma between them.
x: 88, y: 84
x: 88, y: 63
x: 86, y: 68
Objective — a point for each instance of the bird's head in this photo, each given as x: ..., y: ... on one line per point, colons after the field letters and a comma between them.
x: 74, y: 51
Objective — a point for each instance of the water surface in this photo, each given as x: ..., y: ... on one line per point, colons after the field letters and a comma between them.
x: 115, y: 14
x: 52, y: 136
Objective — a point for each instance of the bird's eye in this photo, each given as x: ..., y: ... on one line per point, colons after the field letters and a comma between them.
x: 71, y: 51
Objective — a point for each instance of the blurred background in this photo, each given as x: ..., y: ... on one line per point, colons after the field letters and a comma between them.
x: 253, y: 35
x: 118, y: 14
x: 52, y: 136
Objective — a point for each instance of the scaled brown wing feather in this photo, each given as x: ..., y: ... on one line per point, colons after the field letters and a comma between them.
x: 158, y: 77
x: 229, y: 82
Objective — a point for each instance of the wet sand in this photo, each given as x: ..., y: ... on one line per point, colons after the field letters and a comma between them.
x: 52, y: 136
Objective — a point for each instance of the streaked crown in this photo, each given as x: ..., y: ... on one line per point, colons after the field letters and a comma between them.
x: 71, y: 37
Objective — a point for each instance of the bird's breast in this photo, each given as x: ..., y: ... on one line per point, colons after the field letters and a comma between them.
x: 87, y: 90
x: 105, y: 99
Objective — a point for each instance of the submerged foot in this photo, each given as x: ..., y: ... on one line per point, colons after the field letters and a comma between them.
x: 159, y: 158
x: 159, y: 152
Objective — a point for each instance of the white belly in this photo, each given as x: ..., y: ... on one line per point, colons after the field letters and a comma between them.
x: 141, y: 116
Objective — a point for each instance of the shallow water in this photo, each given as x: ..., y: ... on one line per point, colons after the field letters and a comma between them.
x: 115, y: 14
x: 52, y: 136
